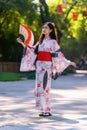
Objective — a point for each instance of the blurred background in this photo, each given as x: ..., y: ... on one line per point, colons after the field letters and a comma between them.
x: 70, y: 17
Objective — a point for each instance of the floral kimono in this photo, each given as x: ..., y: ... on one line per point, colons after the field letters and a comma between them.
x: 50, y: 62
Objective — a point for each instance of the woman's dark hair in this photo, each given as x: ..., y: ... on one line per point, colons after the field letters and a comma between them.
x: 52, y: 33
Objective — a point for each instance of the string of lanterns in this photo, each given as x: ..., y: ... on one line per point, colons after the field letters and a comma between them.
x: 74, y: 14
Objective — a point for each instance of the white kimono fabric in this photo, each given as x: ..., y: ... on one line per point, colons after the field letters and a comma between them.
x: 28, y: 59
x: 45, y: 70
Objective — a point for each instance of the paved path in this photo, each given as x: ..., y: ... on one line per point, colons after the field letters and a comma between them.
x: 68, y: 100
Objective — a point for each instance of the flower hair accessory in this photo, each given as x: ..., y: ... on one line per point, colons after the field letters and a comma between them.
x: 53, y: 24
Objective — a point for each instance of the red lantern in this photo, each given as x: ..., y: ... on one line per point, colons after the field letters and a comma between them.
x: 75, y: 16
x: 60, y: 9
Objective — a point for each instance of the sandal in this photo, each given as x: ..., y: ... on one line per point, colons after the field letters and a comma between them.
x: 45, y: 114
x: 41, y: 114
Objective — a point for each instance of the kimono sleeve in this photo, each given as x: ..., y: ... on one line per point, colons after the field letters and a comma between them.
x: 59, y: 62
x: 28, y: 59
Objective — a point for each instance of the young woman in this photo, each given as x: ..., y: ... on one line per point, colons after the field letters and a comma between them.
x: 50, y: 62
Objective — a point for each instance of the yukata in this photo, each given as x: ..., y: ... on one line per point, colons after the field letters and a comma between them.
x: 50, y: 60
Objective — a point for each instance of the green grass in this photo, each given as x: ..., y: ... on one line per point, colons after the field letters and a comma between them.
x: 10, y: 76
x: 6, y: 76
x: 29, y: 75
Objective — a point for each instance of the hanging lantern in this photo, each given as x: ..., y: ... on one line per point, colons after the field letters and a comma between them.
x: 75, y: 16
x: 60, y: 10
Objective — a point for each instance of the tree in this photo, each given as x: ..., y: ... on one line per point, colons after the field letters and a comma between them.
x: 70, y: 40
x: 44, y: 11
x: 12, y: 13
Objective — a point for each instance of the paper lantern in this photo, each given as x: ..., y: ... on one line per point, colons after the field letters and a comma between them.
x: 60, y: 9
x: 27, y: 33
x: 75, y: 16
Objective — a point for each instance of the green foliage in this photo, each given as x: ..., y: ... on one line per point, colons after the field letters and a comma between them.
x: 11, y: 15
x: 82, y: 38
x: 69, y: 47
x: 72, y: 34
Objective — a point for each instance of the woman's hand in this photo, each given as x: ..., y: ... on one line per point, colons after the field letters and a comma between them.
x: 73, y: 64
x: 20, y: 41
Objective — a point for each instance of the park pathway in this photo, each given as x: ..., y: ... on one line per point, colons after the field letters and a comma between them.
x: 68, y: 101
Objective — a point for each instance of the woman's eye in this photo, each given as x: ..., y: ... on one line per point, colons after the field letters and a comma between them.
x: 44, y: 27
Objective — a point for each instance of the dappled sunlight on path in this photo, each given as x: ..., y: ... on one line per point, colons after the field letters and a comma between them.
x: 68, y: 101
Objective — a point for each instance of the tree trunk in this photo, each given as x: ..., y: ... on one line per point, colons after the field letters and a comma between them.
x: 44, y: 11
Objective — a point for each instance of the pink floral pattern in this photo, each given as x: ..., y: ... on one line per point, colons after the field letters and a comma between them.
x: 27, y: 61
x: 58, y: 64
x: 44, y: 70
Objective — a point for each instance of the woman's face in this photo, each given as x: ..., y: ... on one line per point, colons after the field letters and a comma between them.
x: 46, y: 30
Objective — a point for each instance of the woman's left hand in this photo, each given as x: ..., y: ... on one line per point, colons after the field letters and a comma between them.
x: 73, y: 64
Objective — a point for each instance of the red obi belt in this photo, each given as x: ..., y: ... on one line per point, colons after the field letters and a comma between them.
x: 44, y: 56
